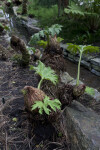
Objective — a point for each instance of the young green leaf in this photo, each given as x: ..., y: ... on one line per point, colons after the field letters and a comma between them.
x: 59, y: 39
x: 42, y: 43
x: 89, y: 90
x: 46, y: 104
x: 45, y: 72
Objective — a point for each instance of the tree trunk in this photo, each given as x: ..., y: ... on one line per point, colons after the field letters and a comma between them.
x: 24, y: 7
x: 59, y: 8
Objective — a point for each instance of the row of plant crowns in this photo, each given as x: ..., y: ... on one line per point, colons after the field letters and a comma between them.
x: 46, y: 73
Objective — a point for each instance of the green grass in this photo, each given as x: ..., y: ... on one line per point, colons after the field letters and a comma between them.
x: 47, y: 16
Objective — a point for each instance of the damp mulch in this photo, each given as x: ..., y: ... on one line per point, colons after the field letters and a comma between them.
x: 17, y: 132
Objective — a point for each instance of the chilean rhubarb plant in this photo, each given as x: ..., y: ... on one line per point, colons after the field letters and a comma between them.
x: 46, y: 73
x: 45, y: 104
x: 46, y: 33
x: 86, y: 49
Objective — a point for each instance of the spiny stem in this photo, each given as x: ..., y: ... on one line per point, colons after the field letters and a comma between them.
x: 78, y: 74
x: 39, y: 85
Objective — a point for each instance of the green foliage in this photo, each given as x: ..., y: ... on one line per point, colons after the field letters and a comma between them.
x: 81, y: 49
x: 47, y: 105
x: 89, y: 90
x: 46, y: 16
x: 88, y: 13
x: 54, y: 29
x: 42, y: 43
x: 4, y: 27
x: 31, y: 50
x: 59, y: 39
x: 46, y: 73
x: 74, y: 9
x: 9, y: 1
x: 14, y: 119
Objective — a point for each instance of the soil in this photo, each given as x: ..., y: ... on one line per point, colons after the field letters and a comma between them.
x: 17, y: 132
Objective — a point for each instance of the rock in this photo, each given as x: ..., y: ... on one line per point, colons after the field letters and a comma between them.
x: 64, y: 46
x: 86, y: 64
x: 96, y: 67
x: 88, y: 57
x: 31, y: 26
x: 96, y: 61
x: 74, y: 82
x: 76, y: 59
x: 82, y: 126
x: 96, y: 96
x: 65, y: 77
x: 71, y: 56
x: 15, y: 8
x: 95, y: 72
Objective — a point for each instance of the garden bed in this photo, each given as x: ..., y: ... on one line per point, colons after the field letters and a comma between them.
x: 22, y: 130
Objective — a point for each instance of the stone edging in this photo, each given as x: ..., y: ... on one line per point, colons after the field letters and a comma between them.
x: 90, y: 62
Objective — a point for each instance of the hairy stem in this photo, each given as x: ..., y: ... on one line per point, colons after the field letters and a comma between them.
x: 78, y: 74
x: 39, y: 85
